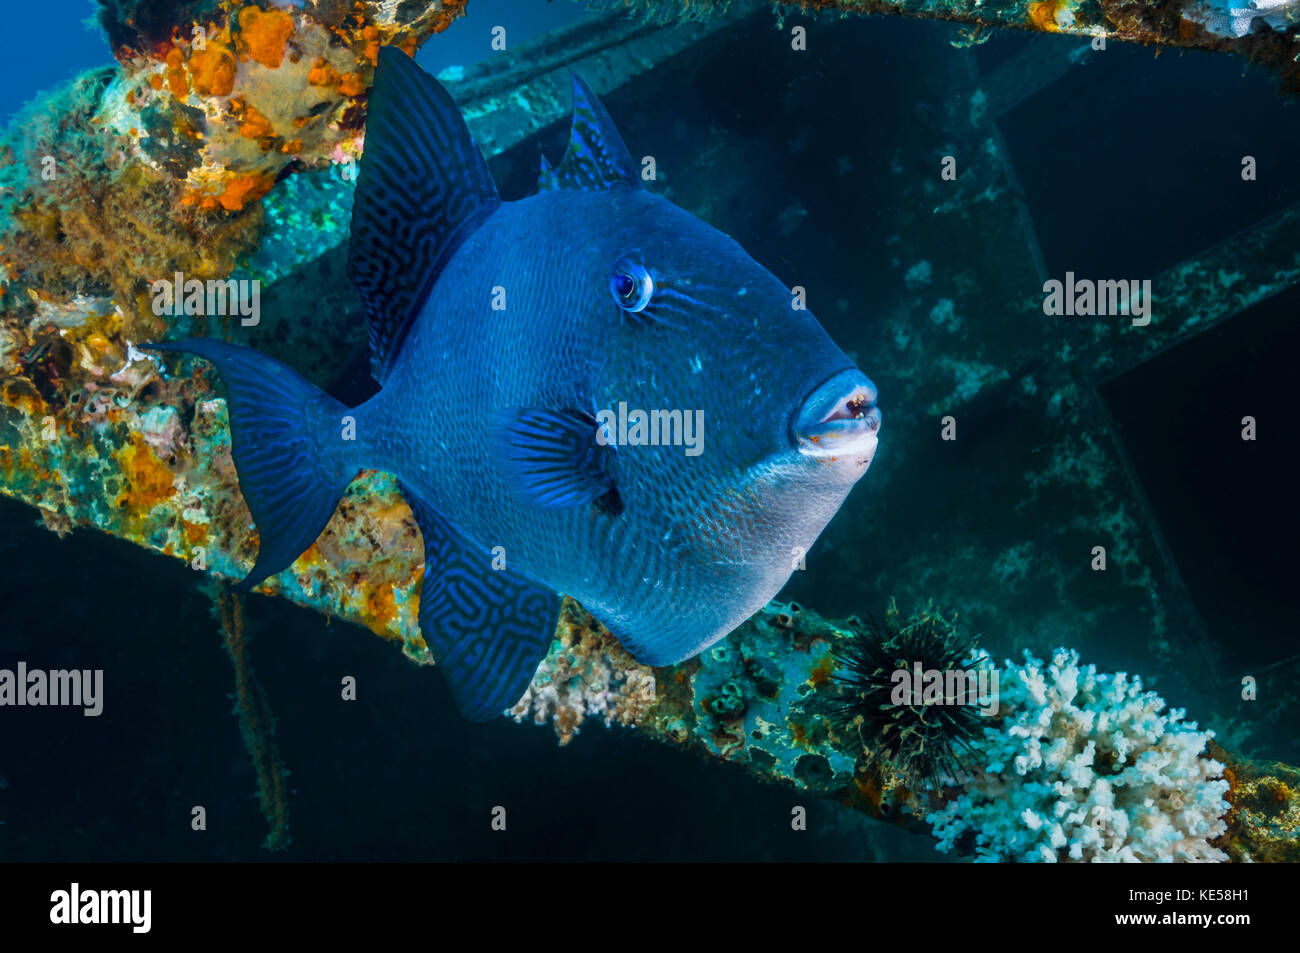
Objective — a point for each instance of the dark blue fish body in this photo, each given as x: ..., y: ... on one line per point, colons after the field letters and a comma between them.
x: 516, y: 343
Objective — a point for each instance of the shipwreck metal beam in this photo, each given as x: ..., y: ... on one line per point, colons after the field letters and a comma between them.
x: 1202, y: 292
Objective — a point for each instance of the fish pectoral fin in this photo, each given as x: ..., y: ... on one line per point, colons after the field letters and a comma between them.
x: 552, y: 458
x: 488, y: 629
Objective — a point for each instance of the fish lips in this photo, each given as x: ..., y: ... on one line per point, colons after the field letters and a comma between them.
x: 839, y: 419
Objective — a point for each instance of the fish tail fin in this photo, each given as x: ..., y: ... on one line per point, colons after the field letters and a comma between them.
x: 291, y: 447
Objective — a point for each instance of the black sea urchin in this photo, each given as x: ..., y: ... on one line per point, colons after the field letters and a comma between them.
x: 924, y: 743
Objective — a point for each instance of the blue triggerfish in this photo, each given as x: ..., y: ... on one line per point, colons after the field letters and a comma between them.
x: 588, y: 391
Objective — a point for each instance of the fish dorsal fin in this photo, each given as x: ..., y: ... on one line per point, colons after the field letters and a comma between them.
x: 596, y: 158
x: 423, y: 188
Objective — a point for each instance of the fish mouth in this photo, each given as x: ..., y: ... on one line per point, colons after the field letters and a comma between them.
x: 839, y: 419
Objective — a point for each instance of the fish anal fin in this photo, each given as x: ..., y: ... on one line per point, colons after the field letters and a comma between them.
x: 488, y: 628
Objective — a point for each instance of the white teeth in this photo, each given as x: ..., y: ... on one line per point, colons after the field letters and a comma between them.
x: 851, y: 409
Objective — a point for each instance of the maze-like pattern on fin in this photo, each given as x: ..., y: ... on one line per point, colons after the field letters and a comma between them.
x: 423, y: 186
x: 488, y: 629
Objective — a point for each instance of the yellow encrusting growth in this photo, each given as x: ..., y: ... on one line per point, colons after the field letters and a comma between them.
x: 148, y: 481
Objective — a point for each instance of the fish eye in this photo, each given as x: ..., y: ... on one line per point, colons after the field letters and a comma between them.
x: 631, y: 285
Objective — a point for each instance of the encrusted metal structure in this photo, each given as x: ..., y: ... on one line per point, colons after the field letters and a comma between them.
x: 1266, y: 32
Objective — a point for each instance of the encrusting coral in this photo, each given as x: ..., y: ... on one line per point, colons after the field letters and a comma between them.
x: 1074, y: 765
x: 128, y: 175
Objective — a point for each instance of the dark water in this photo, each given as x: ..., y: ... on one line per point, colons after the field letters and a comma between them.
x: 398, y: 775
x: 1127, y: 167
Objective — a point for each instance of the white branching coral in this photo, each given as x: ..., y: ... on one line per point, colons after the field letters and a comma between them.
x: 1084, y: 766
x: 585, y: 674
